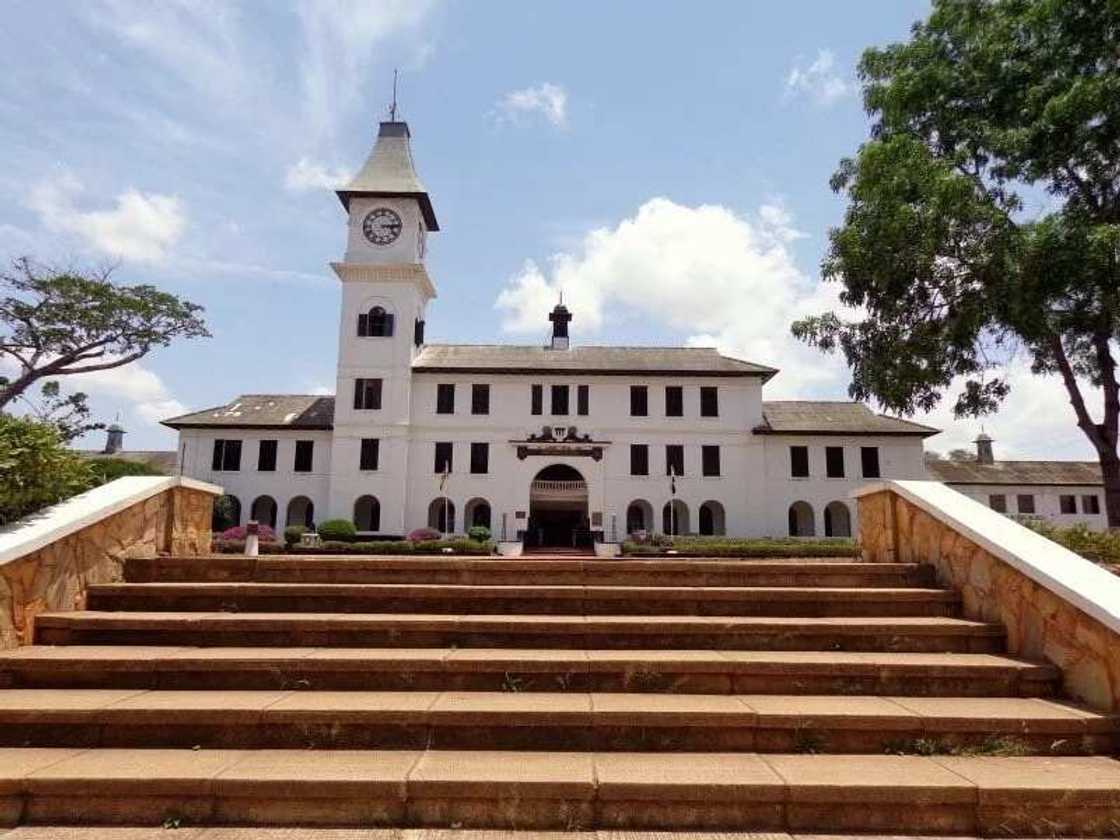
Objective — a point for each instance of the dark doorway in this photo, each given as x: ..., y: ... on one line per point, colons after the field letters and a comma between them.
x: 558, y: 510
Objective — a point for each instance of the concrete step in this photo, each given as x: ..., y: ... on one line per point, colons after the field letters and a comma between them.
x: 499, y: 572
x: 1069, y: 796
x: 511, y: 720
x: 482, y: 669
x: 931, y: 634
x: 524, y: 599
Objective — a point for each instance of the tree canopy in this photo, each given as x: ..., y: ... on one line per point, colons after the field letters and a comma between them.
x: 983, y: 216
x: 56, y: 323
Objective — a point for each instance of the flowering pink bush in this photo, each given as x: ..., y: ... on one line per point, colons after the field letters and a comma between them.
x: 238, y: 532
x: 424, y: 535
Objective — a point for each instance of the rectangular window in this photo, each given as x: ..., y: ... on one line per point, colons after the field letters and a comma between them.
x: 639, y: 459
x: 480, y: 399
x: 371, y: 452
x: 537, y: 399
x: 227, y: 456
x: 559, y: 399
x: 869, y: 459
x: 1091, y: 504
x: 834, y: 461
x: 583, y: 400
x: 709, y: 401
x: 266, y: 456
x: 998, y: 502
x: 674, y: 459
x: 674, y: 401
x: 480, y: 458
x: 639, y: 401
x: 710, y: 460
x: 445, y: 398
x: 305, y: 455
x: 799, y: 461
x: 443, y: 458
x: 1025, y: 503
x: 1067, y: 504
x: 367, y: 394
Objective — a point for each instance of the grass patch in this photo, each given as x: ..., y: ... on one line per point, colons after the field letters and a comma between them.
x: 733, y: 547
x: 1000, y: 746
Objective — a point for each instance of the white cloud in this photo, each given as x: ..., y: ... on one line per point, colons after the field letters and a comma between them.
x: 819, y: 81
x: 308, y: 174
x: 139, y: 390
x: 720, y: 278
x: 546, y: 99
x: 141, y: 226
x: 341, y: 39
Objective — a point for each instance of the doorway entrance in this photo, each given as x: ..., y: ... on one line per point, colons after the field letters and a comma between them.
x: 558, y: 510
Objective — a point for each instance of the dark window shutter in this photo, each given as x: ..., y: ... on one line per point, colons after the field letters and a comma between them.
x: 799, y: 461
x: 363, y: 325
x: 376, y: 398
x: 359, y: 386
x: 216, y: 461
x: 389, y: 320
x: 537, y: 399
x: 583, y: 399
x: 418, y: 332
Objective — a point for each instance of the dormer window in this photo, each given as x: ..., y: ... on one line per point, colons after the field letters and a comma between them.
x: 377, y: 323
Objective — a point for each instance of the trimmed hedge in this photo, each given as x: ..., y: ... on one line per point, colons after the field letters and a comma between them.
x: 396, y: 547
x: 1098, y: 546
x: 732, y: 547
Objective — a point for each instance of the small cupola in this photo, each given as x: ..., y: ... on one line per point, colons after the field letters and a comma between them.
x: 560, y: 316
x: 984, y: 453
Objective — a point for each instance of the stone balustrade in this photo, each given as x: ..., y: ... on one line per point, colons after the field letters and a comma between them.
x: 48, y: 559
x: 1055, y: 604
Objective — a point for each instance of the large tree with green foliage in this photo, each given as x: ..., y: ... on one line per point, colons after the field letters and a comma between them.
x: 56, y: 323
x: 992, y: 110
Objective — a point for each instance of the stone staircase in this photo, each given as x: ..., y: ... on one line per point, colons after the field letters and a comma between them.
x: 570, y: 694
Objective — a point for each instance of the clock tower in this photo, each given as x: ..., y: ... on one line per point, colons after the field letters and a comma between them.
x: 385, y: 292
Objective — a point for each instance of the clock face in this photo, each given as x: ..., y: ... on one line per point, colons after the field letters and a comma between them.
x: 381, y: 226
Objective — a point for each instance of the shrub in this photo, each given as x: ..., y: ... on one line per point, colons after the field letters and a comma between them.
x: 757, y: 547
x: 334, y: 529
x: 224, y: 546
x: 424, y: 535
x: 1098, y: 546
x: 36, y: 468
x: 479, y: 533
x: 225, y: 514
x: 292, y: 534
x: 240, y: 532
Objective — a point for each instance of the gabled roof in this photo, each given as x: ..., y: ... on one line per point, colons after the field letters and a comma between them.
x: 608, y: 361
x: 390, y: 171
x: 263, y: 411
x: 1017, y: 472
x: 823, y: 417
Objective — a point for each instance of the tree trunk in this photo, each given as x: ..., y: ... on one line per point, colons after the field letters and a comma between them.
x: 1110, y: 473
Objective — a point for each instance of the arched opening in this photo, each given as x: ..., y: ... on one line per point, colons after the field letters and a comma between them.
x: 837, y: 520
x: 801, y: 522
x: 674, y: 518
x: 227, y: 513
x: 639, y: 516
x: 711, y: 519
x: 476, y: 514
x: 301, y: 511
x: 264, y: 511
x: 558, y: 509
x: 376, y: 323
x: 441, y: 515
x: 367, y: 514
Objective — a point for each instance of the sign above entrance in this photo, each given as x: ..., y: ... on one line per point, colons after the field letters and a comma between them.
x: 560, y: 440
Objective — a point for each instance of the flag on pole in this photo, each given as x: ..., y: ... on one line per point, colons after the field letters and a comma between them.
x: 672, y: 480
x: 443, y: 479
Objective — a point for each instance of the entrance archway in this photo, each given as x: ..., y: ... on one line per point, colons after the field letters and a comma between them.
x: 558, y: 509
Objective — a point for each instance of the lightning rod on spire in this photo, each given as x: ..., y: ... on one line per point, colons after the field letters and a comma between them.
x: 393, y: 107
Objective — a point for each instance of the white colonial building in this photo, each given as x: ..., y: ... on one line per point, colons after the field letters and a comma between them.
x: 557, y: 445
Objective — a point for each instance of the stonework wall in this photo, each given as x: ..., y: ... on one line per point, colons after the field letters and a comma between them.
x: 55, y: 577
x: 1040, y: 624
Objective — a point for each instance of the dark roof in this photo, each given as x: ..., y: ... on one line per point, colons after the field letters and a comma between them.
x: 639, y: 361
x: 819, y: 417
x: 270, y: 411
x: 1016, y: 472
x: 164, y: 460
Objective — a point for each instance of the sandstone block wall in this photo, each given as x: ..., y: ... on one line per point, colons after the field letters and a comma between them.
x: 1040, y: 624
x: 55, y: 577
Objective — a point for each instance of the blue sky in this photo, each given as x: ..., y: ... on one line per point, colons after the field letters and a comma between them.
x: 666, y: 165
